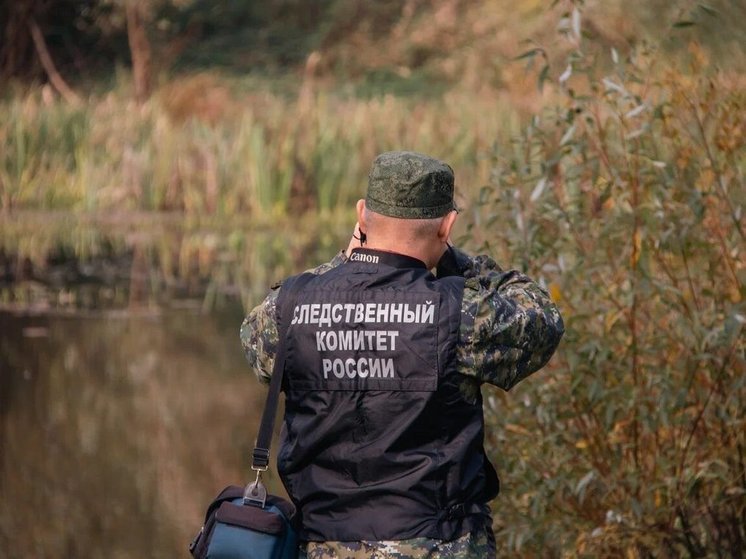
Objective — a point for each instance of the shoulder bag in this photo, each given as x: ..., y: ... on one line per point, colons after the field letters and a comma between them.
x: 247, y: 523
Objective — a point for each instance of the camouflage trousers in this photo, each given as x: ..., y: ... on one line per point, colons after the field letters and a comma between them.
x: 475, y: 545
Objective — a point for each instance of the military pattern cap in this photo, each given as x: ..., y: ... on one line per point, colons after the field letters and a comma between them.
x: 409, y: 185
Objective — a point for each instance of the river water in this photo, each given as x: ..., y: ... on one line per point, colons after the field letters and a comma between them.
x: 116, y: 429
x: 119, y: 422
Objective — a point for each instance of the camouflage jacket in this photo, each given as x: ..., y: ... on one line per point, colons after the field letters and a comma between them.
x: 511, y: 329
x: 475, y: 545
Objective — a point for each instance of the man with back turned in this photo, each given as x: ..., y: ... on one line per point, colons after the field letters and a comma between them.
x: 387, y: 346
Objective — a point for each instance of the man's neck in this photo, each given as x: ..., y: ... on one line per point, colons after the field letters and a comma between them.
x: 400, y: 248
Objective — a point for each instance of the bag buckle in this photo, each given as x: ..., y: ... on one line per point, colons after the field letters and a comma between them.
x: 255, y: 492
x: 260, y: 459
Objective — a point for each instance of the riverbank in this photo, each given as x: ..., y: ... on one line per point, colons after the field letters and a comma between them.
x: 63, y: 262
x: 198, y: 149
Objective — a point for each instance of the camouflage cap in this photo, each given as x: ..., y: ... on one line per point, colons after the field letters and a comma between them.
x: 409, y: 185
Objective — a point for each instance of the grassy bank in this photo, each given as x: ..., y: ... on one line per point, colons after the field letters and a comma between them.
x: 205, y: 184
x: 199, y: 149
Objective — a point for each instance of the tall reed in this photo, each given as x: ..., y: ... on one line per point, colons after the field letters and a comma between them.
x: 263, y: 155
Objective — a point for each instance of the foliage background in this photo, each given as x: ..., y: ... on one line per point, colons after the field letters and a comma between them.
x: 599, y: 146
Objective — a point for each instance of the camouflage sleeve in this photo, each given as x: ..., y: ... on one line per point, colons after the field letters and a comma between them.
x: 259, y: 335
x: 509, y: 325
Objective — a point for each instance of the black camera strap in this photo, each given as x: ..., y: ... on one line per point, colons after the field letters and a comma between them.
x: 256, y: 491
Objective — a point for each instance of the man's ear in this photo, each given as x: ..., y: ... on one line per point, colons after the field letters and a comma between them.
x: 444, y: 231
x: 361, y: 215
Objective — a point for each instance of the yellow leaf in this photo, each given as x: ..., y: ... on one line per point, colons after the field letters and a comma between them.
x: 582, y: 443
x: 610, y: 319
x: 705, y: 180
x: 616, y: 435
x: 636, y: 246
x: 513, y: 428
x: 734, y: 294
x: 555, y: 293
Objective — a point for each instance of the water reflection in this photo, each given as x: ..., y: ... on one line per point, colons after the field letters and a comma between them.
x: 49, y: 261
x: 117, y: 429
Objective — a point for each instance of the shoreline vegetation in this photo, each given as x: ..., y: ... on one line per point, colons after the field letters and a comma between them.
x: 198, y: 156
x: 218, y: 167
x: 63, y: 262
x: 195, y: 149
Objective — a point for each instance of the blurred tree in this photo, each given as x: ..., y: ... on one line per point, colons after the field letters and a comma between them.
x: 18, y: 53
x: 88, y: 38
x: 80, y: 36
x: 46, y: 61
x: 355, y: 39
x: 139, y: 48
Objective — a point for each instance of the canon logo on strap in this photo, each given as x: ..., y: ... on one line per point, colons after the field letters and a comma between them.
x: 361, y: 257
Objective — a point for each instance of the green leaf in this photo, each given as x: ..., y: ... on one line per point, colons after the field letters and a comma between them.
x: 528, y: 54
x: 583, y: 484
x: 709, y: 10
x: 543, y: 75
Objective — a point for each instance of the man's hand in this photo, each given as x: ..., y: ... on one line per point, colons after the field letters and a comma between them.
x: 454, y: 262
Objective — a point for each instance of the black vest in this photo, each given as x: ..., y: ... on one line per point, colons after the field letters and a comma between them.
x: 378, y: 442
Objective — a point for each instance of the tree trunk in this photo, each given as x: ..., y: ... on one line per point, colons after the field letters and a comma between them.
x: 46, y: 61
x: 139, y: 50
x: 17, y: 55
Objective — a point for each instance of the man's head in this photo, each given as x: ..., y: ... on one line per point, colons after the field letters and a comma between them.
x: 409, y: 185
x: 409, y: 206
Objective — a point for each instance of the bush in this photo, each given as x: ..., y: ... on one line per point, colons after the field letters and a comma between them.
x: 626, y: 199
